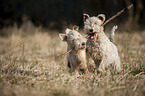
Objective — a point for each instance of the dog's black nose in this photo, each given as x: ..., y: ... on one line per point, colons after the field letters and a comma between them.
x: 83, y: 44
x: 91, y: 30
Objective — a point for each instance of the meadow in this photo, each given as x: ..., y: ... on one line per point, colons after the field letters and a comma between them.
x: 29, y: 66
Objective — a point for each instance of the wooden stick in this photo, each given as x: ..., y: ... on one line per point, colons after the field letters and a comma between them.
x: 64, y: 53
x: 117, y: 14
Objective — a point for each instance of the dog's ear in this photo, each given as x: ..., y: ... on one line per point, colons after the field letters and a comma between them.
x: 86, y: 15
x: 76, y: 28
x: 101, y: 17
x: 63, y: 37
x: 67, y: 30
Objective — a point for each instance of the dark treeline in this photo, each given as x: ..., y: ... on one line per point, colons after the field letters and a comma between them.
x: 57, y: 14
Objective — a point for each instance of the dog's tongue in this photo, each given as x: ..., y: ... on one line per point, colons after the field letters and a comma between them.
x: 92, y: 37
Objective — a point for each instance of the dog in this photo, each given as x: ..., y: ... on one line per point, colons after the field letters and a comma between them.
x: 102, y: 51
x: 77, y: 43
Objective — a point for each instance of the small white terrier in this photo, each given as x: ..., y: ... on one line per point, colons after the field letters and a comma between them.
x: 103, y: 52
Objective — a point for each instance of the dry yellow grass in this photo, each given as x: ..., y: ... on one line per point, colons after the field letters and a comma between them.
x: 29, y: 67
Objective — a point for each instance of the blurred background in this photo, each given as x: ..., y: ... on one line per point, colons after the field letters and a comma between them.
x: 59, y: 14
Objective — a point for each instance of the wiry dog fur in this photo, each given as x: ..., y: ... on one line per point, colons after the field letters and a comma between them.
x: 103, y: 52
x: 77, y: 57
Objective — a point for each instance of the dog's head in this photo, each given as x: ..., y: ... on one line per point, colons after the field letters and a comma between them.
x: 93, y: 25
x: 74, y: 39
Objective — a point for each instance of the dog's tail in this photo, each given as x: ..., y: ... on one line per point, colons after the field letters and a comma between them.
x: 112, y: 33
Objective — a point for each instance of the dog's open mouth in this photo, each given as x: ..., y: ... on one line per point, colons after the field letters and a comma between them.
x: 82, y: 47
x: 92, y: 36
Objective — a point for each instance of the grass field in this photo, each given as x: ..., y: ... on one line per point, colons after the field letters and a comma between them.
x: 29, y: 67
